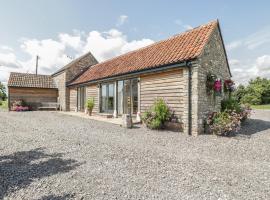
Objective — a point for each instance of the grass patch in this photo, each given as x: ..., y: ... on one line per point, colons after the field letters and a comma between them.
x: 261, y: 107
x: 4, y: 105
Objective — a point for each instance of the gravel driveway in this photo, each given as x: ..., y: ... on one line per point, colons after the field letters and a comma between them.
x: 46, y: 155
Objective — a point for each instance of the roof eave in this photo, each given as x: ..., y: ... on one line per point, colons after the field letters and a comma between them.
x: 134, y: 73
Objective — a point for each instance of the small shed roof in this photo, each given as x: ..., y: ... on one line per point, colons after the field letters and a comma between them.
x: 30, y: 80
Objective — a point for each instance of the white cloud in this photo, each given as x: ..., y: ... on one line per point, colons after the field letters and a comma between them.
x: 184, y: 26
x: 121, y: 20
x: 234, y: 62
x: 187, y: 27
x: 112, y: 43
x: 54, y: 53
x: 252, y: 41
x: 6, y: 48
x: 51, y: 53
x: 135, y: 44
x: 243, y: 71
x: 263, y: 66
x: 74, y: 42
x: 233, y: 45
x: 9, y: 59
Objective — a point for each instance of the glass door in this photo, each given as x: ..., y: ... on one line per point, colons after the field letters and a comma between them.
x: 107, y: 98
x: 110, y: 92
x: 127, y: 95
x: 120, y: 95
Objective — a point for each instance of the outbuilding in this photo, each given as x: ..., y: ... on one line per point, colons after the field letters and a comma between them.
x: 32, y: 89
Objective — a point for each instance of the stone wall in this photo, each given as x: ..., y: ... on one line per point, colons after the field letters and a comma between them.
x: 62, y: 78
x: 213, y: 61
x: 78, y: 66
x: 60, y: 81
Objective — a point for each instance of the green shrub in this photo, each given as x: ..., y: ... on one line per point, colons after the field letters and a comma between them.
x: 230, y: 104
x: 90, y: 103
x: 161, y: 110
x: 158, y: 114
x: 1, y: 103
x: 252, y: 99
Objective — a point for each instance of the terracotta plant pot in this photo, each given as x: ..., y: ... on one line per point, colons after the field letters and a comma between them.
x: 90, y: 112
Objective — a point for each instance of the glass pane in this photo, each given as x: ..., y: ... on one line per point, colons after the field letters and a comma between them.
x: 82, y: 97
x: 127, y: 100
x: 110, y: 97
x: 103, y: 97
x: 78, y: 99
x: 120, y: 97
x: 134, y: 96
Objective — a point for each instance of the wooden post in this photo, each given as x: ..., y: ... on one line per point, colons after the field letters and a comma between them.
x: 37, y: 64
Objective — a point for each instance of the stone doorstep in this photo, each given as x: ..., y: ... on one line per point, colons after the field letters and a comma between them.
x: 98, y: 117
x: 105, y: 115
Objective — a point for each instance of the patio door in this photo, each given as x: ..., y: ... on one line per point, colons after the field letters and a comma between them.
x: 127, y: 96
x: 107, y: 98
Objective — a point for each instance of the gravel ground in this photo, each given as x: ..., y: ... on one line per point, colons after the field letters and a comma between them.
x: 46, y: 155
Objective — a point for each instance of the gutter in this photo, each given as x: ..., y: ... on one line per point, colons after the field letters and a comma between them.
x: 189, y: 65
x: 134, y: 73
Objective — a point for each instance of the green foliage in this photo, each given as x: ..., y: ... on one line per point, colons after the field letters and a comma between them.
x: 90, y: 103
x: 3, y: 93
x: 222, y: 123
x: 3, y: 104
x: 157, y: 115
x: 161, y: 110
x: 239, y: 93
x: 256, y: 92
x: 230, y: 104
x: 252, y: 98
x: 210, y: 82
x: 261, y: 107
x: 229, y: 119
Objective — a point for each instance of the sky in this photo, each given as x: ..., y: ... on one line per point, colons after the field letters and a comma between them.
x: 59, y: 31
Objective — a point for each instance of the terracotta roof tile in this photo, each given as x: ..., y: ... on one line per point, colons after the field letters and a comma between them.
x: 30, y: 80
x: 182, y: 47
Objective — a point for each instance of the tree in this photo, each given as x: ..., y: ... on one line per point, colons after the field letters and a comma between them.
x: 256, y: 92
x: 239, y: 92
x: 3, y: 93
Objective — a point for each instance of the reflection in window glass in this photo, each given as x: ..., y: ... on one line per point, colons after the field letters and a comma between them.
x: 110, y: 97
x: 120, y: 97
x: 134, y: 85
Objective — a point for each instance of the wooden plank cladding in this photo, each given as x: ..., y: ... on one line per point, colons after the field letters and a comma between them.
x: 92, y: 92
x: 32, y: 96
x: 168, y: 85
x: 73, y: 99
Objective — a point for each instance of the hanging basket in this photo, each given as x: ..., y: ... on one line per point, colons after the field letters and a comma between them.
x: 210, y: 82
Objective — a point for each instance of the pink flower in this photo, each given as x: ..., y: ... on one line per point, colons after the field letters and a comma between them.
x: 217, y: 86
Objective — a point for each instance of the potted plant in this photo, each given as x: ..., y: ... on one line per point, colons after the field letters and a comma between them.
x: 90, y: 103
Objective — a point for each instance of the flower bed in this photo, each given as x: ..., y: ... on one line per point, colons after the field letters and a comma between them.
x: 20, y: 106
x: 229, y: 119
